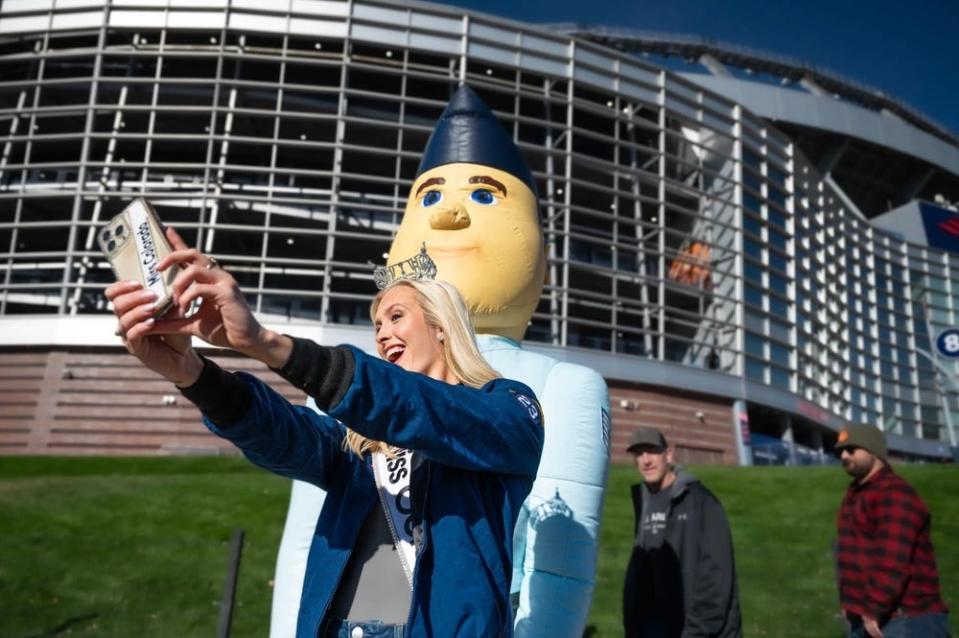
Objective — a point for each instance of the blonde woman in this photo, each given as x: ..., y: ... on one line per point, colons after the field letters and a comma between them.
x: 426, y: 454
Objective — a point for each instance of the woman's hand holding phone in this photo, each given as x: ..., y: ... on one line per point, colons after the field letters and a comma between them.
x: 170, y: 355
x: 223, y: 319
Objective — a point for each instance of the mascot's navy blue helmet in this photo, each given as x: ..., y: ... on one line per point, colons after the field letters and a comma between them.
x: 468, y: 132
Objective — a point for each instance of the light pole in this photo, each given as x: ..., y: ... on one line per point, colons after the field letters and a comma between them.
x: 947, y: 373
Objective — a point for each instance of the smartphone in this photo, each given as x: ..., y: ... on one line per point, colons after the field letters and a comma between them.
x: 134, y: 243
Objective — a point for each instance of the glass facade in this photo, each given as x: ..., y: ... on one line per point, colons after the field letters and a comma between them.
x: 282, y: 137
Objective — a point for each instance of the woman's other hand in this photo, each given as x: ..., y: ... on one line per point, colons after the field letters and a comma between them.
x: 223, y: 318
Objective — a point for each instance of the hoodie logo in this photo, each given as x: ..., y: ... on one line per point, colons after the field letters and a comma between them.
x: 654, y: 523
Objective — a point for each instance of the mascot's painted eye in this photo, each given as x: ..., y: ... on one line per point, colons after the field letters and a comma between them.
x: 483, y: 196
x: 431, y: 198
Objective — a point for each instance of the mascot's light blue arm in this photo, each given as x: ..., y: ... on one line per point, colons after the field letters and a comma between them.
x: 556, y: 537
x: 555, y: 542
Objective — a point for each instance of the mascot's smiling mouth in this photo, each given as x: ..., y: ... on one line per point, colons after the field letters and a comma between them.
x: 451, y: 252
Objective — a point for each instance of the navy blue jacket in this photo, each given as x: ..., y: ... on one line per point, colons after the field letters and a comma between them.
x: 481, y: 449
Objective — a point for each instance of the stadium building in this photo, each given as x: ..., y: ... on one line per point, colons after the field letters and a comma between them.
x: 749, y: 249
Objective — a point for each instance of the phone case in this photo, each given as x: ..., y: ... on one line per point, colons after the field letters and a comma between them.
x: 134, y: 243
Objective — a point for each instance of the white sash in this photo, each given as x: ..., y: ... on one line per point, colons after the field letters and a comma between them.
x: 393, y: 485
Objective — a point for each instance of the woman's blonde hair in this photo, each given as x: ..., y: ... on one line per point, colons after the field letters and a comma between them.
x: 443, y: 308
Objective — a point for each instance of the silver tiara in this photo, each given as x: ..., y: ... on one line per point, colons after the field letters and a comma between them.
x: 419, y: 266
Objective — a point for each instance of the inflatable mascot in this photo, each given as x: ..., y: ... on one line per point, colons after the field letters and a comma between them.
x: 473, y: 207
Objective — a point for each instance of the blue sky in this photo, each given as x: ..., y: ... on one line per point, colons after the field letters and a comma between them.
x: 907, y: 49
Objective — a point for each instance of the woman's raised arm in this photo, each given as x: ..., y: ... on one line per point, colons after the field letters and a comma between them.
x: 496, y: 428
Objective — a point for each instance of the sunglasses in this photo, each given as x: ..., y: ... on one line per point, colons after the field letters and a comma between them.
x: 852, y: 449
x: 651, y: 449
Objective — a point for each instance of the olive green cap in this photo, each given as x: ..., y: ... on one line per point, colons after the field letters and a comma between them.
x: 868, y: 437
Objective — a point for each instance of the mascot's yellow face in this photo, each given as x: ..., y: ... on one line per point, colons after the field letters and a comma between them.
x: 481, y: 227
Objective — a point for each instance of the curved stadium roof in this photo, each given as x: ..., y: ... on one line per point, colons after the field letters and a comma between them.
x: 788, y: 68
x: 880, y: 152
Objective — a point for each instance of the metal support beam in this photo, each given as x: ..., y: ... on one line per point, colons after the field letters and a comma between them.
x: 914, y: 186
x: 831, y: 157
x: 715, y: 66
x: 813, y: 87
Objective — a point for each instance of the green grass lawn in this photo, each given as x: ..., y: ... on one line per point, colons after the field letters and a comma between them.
x: 134, y: 547
x: 783, y: 525
x: 139, y: 547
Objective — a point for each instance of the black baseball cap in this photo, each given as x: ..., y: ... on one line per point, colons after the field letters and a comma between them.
x: 648, y: 436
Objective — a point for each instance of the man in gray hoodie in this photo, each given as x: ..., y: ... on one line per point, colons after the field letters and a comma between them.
x: 681, y: 579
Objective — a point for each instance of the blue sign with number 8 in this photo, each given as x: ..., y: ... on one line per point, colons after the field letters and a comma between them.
x: 948, y: 342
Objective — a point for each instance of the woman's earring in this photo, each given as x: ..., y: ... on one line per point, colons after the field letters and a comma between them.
x: 440, y: 336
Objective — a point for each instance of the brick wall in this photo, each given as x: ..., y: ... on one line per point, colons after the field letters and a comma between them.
x: 104, y: 402
x: 698, y: 425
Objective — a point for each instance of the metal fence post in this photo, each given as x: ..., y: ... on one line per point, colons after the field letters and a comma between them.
x: 229, y: 588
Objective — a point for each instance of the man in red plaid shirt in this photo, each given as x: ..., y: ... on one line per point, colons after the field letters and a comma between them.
x: 888, y: 581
